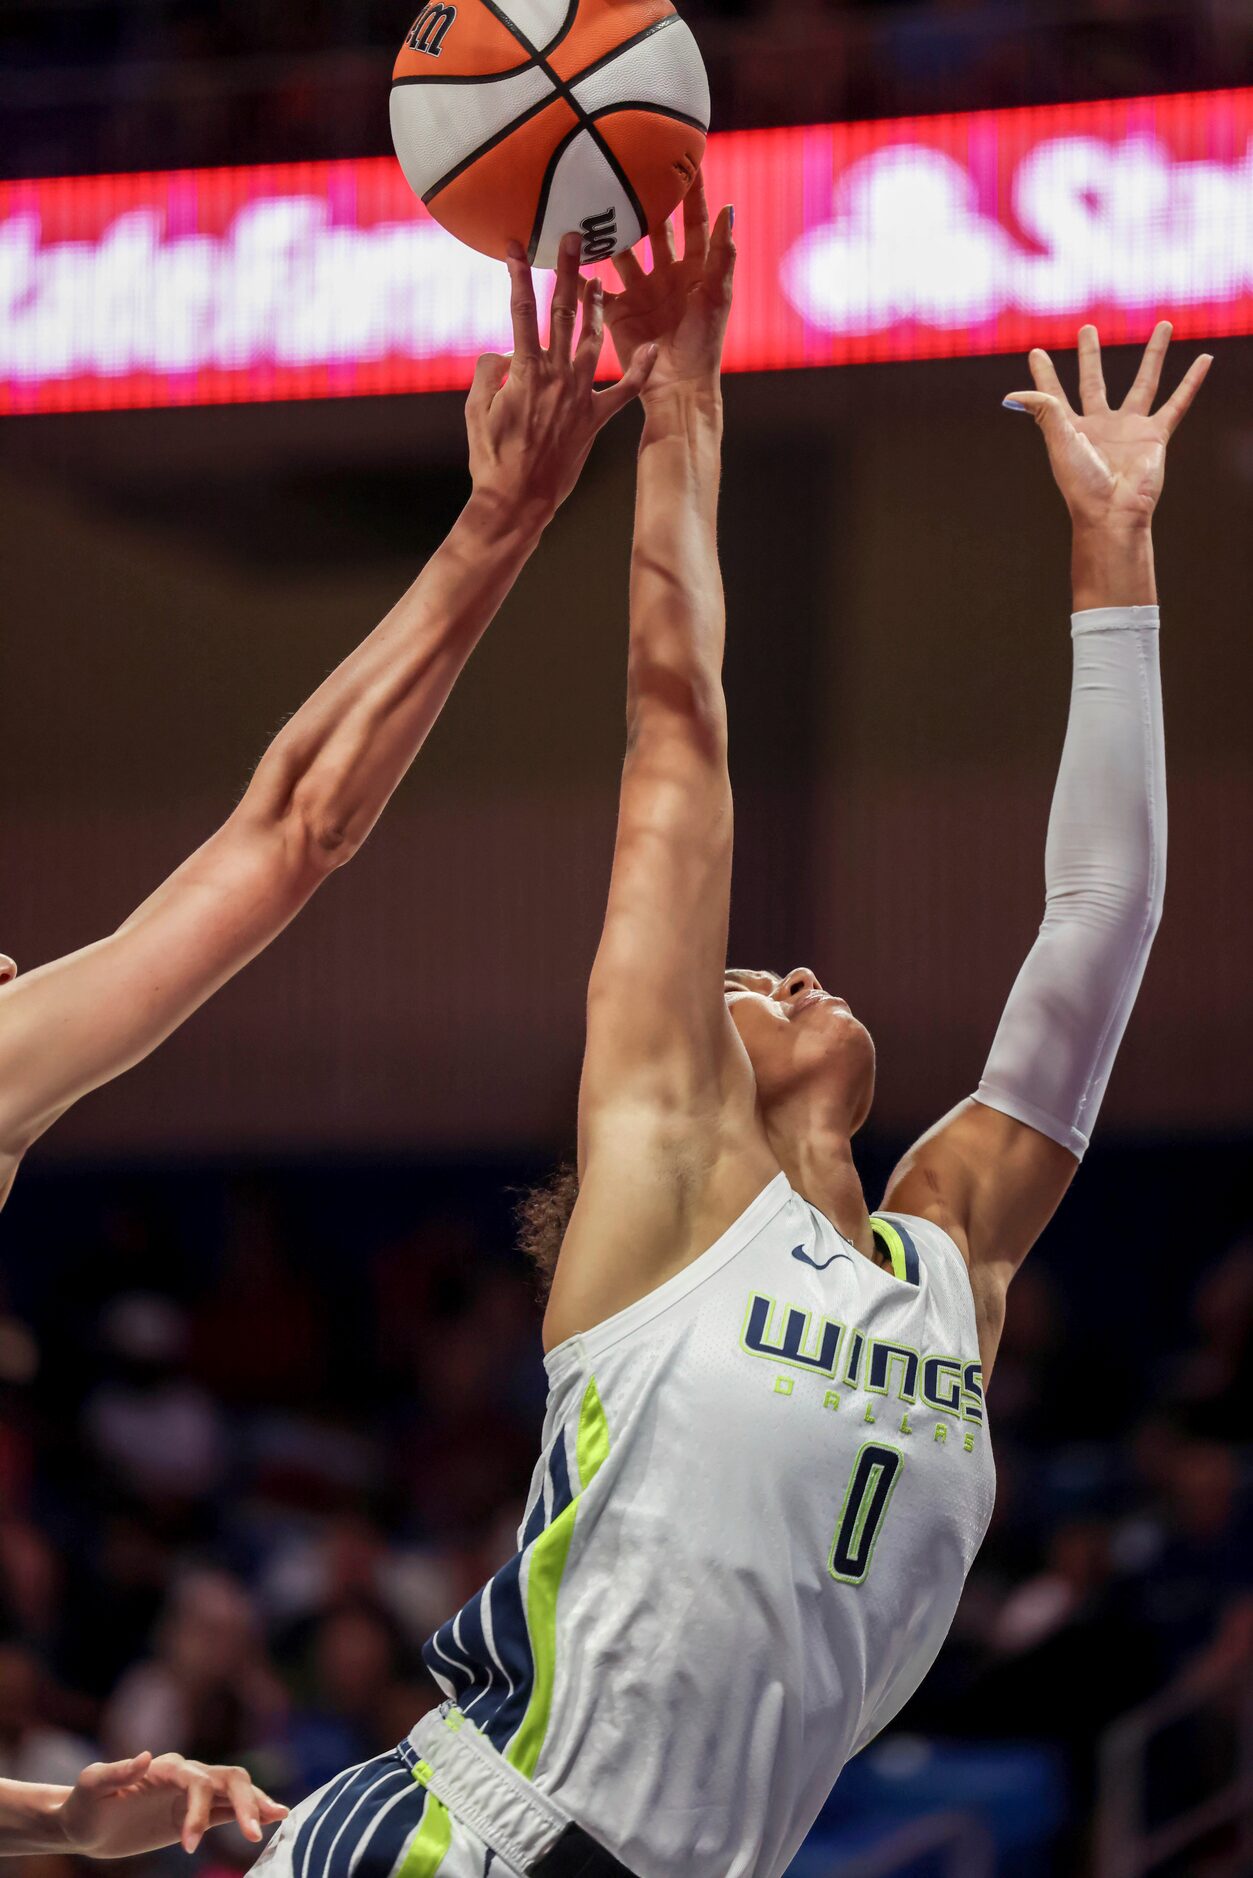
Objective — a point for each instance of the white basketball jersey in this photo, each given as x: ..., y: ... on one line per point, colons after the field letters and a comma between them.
x: 761, y: 1489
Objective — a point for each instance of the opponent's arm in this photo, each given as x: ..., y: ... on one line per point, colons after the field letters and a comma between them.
x: 994, y: 1170
x: 317, y: 792
x: 118, y: 1809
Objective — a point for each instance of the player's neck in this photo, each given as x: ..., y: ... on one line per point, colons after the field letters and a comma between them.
x: 819, y: 1164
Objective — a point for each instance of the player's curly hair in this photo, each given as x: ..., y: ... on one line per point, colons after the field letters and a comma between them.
x: 542, y: 1214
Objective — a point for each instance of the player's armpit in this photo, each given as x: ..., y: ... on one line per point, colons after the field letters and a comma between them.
x: 993, y: 1184
x: 75, y: 1023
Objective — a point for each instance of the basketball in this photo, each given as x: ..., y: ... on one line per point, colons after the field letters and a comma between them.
x: 523, y: 120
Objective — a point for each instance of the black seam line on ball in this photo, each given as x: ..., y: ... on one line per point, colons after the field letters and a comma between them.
x: 498, y: 137
x: 461, y: 78
x: 537, y: 226
x: 636, y: 39
x: 566, y: 90
x: 651, y: 108
x: 606, y: 110
x: 489, y: 78
x: 572, y: 13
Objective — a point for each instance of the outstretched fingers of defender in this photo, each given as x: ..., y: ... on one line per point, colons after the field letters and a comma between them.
x: 1044, y: 372
x: 565, y: 301
x: 1140, y: 398
x: 522, y: 304
x: 720, y: 271
x: 1092, y: 395
x: 1178, y: 405
x: 696, y: 220
x: 592, y: 335
x: 661, y: 242
x: 607, y: 403
x: 629, y: 269
x: 1053, y: 415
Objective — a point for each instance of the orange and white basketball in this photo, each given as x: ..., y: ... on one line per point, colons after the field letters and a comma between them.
x: 521, y: 119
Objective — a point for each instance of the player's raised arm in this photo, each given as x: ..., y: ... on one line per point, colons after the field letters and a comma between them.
x: 994, y: 1170
x: 77, y: 1022
x: 660, y: 1045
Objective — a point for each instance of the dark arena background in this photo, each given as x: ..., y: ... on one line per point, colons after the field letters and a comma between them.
x: 270, y: 1388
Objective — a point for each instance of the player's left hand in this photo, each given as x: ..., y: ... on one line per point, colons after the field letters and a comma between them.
x: 119, y: 1808
x: 1109, y: 462
x: 531, y: 418
x: 682, y: 306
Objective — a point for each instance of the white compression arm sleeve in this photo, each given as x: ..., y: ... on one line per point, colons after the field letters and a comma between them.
x: 1104, y: 871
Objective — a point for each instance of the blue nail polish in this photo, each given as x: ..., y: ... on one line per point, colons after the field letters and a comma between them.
x: 1012, y: 404
x: 731, y: 217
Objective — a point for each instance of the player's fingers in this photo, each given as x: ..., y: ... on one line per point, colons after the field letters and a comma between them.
x: 270, y: 1809
x: 1177, y: 406
x: 1140, y: 398
x: 490, y: 371
x: 592, y: 335
x: 722, y: 253
x: 522, y: 304
x: 696, y: 220
x: 1091, y: 377
x: 661, y: 242
x: 629, y: 269
x: 608, y: 403
x: 244, y: 1799
x: 565, y: 300
x: 112, y: 1776
x: 1050, y: 413
x: 1044, y: 372
x: 198, y: 1786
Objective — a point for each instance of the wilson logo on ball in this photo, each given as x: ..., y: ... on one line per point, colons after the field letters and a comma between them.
x: 429, y: 29
x: 600, y: 235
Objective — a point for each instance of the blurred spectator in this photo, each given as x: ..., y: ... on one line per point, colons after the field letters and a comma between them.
x: 30, y: 1747
x: 1213, y: 1383
x: 364, y: 1693
x: 209, y: 1690
x: 159, y: 1435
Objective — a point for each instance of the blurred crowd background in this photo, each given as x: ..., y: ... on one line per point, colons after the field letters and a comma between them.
x: 269, y: 1361
x: 133, y: 84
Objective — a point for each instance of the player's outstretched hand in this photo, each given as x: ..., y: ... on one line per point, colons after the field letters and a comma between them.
x: 1109, y: 462
x: 531, y: 417
x: 119, y: 1808
x: 681, y: 306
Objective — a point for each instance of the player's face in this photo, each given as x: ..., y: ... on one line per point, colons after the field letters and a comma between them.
x: 803, y: 1042
x: 7, y: 968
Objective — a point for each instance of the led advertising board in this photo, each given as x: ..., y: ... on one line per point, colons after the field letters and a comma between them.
x: 916, y: 238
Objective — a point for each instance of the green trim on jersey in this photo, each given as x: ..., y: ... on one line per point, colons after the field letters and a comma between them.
x: 430, y: 1842
x: 894, y: 1244
x: 544, y: 1575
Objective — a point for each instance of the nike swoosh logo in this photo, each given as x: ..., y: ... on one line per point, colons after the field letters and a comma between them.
x: 799, y: 1252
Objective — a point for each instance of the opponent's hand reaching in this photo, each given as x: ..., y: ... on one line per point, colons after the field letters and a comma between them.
x: 531, y: 418
x: 1109, y: 463
x: 117, y: 1809
x: 682, y: 306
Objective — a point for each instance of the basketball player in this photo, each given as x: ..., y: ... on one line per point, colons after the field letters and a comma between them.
x: 765, y: 1466
x: 79, y: 1021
